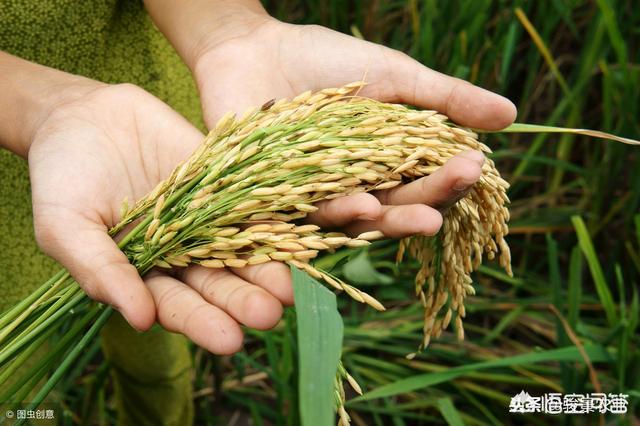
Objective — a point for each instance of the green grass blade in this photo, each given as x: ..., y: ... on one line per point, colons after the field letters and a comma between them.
x: 613, y: 30
x: 596, y: 270
x: 542, y: 47
x: 504, y: 322
x: 538, y: 128
x: 359, y: 270
x: 575, y: 288
x: 596, y: 353
x: 320, y: 331
x: 449, y: 412
x: 509, y: 48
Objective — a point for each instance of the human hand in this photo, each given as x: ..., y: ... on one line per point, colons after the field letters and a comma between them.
x: 261, y: 58
x: 115, y: 142
x: 241, y: 57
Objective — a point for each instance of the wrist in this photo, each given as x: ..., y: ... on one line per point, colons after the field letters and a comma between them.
x: 218, y: 50
x: 197, y: 26
x: 31, y: 92
x: 234, y: 27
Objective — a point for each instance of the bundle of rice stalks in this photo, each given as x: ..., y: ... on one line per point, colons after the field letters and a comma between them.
x: 242, y: 197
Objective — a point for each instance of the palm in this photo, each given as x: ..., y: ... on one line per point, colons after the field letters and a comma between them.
x: 118, y: 142
x: 136, y: 142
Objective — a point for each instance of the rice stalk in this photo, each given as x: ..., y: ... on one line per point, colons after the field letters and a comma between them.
x: 243, y: 196
x: 273, y: 165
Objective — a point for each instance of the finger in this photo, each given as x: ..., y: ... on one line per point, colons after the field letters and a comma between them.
x: 246, y: 303
x: 463, y: 102
x: 274, y: 277
x: 401, y: 221
x: 441, y: 189
x: 341, y: 211
x: 103, y: 271
x: 181, y: 309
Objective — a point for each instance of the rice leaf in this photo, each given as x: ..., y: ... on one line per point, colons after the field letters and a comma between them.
x: 537, y: 128
x: 359, y: 270
x: 320, y: 344
x: 449, y: 412
x: 542, y: 47
x: 575, y: 287
x: 585, y: 243
x: 596, y: 353
x: 613, y: 30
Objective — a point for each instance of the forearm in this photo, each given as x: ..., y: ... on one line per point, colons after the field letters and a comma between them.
x: 29, y: 93
x: 194, y: 26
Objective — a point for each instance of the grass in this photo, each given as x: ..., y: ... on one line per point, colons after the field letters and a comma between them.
x: 568, y: 320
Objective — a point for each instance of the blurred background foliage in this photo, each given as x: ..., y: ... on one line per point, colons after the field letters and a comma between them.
x: 567, y: 321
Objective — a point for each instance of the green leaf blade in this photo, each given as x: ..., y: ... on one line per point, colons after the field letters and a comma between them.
x: 596, y: 353
x: 589, y: 252
x: 320, y: 331
x: 449, y: 412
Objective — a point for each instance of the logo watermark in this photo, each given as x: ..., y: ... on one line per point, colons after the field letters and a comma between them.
x: 45, y: 414
x: 571, y: 403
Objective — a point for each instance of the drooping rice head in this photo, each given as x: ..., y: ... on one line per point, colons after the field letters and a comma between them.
x: 238, y: 200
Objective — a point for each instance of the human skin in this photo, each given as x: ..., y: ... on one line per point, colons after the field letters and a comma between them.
x: 90, y: 145
x: 241, y: 57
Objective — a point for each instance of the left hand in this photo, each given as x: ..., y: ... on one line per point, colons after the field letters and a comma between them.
x: 268, y: 59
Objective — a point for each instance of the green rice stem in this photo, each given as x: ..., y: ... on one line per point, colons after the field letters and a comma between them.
x: 28, y: 304
x: 18, y: 361
x: 17, y: 344
x: 71, y: 357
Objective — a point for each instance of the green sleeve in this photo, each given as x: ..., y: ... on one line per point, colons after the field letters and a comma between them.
x: 116, y: 42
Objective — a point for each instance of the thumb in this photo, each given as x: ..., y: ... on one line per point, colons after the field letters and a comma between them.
x: 464, y: 103
x: 85, y: 248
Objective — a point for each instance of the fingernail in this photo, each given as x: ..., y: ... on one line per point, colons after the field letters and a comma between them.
x: 462, y: 185
x: 474, y: 155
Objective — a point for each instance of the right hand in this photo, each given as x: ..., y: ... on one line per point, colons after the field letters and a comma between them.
x: 290, y: 59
